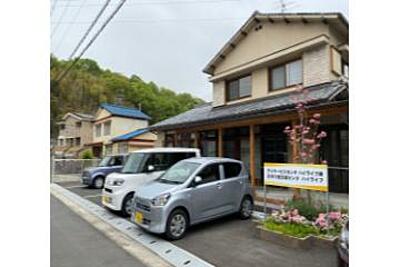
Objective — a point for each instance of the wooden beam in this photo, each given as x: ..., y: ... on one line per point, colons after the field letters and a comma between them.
x: 175, y: 139
x: 252, y: 145
x: 270, y: 20
x: 220, y: 142
x: 196, y: 139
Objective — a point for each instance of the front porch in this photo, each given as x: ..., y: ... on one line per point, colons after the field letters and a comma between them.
x: 258, y: 140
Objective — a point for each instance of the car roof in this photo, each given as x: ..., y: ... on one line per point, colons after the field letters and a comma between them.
x: 204, y: 160
x: 166, y: 149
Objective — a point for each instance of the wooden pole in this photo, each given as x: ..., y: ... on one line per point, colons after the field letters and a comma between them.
x: 252, y: 145
x: 220, y: 142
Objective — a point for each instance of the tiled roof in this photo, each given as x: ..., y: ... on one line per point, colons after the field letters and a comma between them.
x: 125, y: 111
x: 321, y: 93
x: 84, y: 116
x: 130, y: 135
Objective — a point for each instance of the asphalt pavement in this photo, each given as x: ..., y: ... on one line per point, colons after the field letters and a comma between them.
x: 233, y: 242
x: 75, y: 243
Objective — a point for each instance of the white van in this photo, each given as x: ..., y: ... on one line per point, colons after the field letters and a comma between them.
x: 142, y: 166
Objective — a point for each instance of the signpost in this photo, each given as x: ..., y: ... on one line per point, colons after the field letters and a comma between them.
x: 293, y: 175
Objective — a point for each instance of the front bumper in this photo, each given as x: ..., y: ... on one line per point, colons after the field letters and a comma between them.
x: 86, y: 180
x: 154, y: 218
x: 112, y: 199
x: 343, y: 252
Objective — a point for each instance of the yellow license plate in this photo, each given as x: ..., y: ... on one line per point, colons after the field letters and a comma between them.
x: 138, y: 217
x: 105, y: 199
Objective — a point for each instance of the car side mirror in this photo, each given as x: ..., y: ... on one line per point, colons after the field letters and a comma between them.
x: 197, y: 180
x: 150, y: 168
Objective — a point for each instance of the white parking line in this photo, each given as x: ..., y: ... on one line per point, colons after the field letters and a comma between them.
x: 75, y: 186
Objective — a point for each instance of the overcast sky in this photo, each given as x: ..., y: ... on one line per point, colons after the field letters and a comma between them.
x: 165, y: 41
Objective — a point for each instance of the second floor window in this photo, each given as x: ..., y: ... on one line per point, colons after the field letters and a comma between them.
x: 107, y: 128
x: 286, y: 75
x: 98, y: 130
x: 238, y: 88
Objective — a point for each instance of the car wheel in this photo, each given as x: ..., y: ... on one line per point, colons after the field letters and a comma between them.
x: 127, y: 205
x: 98, y: 182
x: 246, y: 208
x: 177, y: 224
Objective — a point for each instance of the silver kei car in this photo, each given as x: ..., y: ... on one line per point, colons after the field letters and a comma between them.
x: 192, y: 191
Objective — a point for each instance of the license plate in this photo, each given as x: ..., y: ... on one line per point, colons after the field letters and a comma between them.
x: 105, y: 199
x: 138, y: 217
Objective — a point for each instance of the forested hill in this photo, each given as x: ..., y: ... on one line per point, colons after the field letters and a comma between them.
x: 87, y: 85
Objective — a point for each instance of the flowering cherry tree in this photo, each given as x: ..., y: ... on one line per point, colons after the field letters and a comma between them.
x: 305, y: 136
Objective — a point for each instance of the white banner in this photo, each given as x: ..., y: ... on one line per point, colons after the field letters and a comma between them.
x: 305, y: 176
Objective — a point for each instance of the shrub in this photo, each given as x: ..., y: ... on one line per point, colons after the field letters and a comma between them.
x: 305, y: 209
x: 87, y: 154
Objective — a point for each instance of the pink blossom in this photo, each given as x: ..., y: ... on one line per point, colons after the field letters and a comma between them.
x: 324, y: 162
x: 317, y: 116
x: 322, y: 134
x: 312, y: 121
x: 316, y: 146
x: 333, y: 216
x: 309, y: 141
x: 303, y: 154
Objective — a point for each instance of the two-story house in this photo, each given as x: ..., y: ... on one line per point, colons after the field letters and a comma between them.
x: 254, y: 78
x: 75, y: 130
x: 119, y: 129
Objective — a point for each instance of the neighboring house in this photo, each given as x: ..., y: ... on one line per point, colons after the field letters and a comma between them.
x: 137, y: 139
x: 254, y: 77
x: 112, y: 121
x: 75, y: 130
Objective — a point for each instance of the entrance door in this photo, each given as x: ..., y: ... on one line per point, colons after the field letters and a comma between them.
x: 335, y: 150
x: 274, y: 145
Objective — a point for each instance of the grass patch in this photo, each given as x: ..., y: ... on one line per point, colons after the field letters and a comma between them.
x: 291, y: 229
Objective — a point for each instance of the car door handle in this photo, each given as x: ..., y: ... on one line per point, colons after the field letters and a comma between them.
x: 219, y: 186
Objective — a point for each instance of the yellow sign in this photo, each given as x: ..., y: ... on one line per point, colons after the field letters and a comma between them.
x: 304, y: 176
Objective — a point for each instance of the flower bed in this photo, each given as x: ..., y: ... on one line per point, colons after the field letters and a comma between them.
x: 290, y: 228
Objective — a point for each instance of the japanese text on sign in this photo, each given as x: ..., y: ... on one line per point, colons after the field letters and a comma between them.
x: 305, y: 176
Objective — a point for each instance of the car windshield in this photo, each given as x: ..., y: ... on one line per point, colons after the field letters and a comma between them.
x: 135, y: 162
x: 104, y: 162
x: 179, y: 173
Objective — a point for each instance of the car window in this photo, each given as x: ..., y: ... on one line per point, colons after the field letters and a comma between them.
x: 163, y: 161
x: 231, y: 169
x: 173, y: 158
x: 118, y: 161
x: 210, y: 173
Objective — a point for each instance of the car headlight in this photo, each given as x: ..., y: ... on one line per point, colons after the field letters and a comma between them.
x: 161, y: 200
x: 117, y: 182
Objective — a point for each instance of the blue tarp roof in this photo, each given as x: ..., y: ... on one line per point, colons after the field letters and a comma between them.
x: 130, y: 135
x: 125, y: 111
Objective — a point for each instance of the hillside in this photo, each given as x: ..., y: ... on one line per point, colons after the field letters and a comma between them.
x: 87, y: 85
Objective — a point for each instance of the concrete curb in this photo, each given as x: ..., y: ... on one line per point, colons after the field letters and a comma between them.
x: 149, y: 249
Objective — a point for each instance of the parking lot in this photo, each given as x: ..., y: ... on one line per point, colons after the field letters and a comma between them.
x: 232, y: 242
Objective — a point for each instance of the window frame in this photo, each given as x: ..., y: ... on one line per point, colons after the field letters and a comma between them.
x: 97, y: 133
x: 238, y: 78
x: 105, y: 127
x: 270, y: 78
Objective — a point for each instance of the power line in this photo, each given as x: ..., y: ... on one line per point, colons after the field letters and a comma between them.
x: 127, y: 20
x: 166, y: 2
x: 121, y: 3
x: 90, y: 28
x: 61, y: 17
x: 70, y: 25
